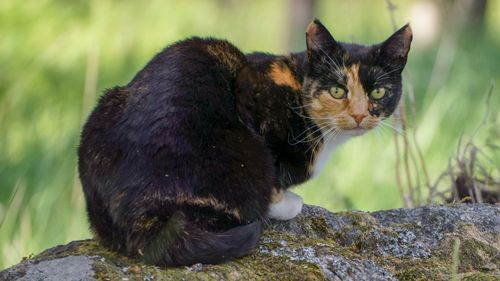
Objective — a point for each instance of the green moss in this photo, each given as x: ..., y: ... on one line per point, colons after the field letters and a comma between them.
x: 415, y: 268
x: 279, y: 256
x: 478, y: 276
x: 103, y: 271
x: 360, y: 219
x: 84, y: 247
x: 321, y: 227
x: 359, y: 236
x: 269, y: 267
x: 111, y: 266
x: 320, y: 245
x: 474, y: 256
x: 475, y: 252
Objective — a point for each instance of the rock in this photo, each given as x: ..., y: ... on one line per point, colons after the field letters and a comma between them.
x: 428, y: 243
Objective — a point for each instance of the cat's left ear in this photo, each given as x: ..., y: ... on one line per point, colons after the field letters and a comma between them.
x: 320, y: 41
x: 395, y: 49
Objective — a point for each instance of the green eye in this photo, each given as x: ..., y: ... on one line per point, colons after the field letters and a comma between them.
x: 337, y: 92
x: 378, y: 93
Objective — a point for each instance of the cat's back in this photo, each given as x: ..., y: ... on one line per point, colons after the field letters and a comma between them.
x: 183, y: 94
x: 191, y: 78
x: 188, y: 62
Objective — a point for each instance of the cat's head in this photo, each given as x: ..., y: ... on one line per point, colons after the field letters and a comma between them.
x: 349, y: 87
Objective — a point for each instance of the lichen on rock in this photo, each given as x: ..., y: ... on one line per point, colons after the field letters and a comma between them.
x: 400, y: 244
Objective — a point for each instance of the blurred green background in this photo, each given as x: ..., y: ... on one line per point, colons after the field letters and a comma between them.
x: 57, y: 57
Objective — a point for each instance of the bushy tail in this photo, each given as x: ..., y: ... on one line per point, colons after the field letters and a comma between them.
x: 180, y: 243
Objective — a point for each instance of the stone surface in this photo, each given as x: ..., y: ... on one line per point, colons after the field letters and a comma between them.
x: 427, y: 243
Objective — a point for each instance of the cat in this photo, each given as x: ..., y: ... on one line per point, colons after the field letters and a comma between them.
x: 185, y: 163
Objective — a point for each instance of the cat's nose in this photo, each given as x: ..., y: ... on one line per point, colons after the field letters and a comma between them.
x: 358, y: 118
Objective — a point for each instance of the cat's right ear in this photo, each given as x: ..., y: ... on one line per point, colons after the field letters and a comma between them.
x: 319, y: 40
x: 395, y: 49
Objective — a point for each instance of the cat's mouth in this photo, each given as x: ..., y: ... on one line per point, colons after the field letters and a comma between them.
x: 346, y: 126
x: 356, y: 129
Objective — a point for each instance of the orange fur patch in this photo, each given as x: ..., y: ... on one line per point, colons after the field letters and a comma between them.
x: 207, y: 202
x: 352, y: 74
x: 325, y: 106
x: 358, y: 100
x: 282, y: 75
x: 277, y: 195
x: 223, y: 52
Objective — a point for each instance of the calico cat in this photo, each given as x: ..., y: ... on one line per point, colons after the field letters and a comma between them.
x: 184, y: 163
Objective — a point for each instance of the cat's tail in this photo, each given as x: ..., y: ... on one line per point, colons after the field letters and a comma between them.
x: 180, y: 243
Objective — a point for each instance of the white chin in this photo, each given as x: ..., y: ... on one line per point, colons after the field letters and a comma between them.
x: 356, y: 132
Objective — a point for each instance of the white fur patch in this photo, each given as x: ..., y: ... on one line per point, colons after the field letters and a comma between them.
x: 329, y: 147
x: 286, y: 209
x: 324, y: 154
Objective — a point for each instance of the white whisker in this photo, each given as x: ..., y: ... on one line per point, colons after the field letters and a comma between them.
x: 390, y: 126
x: 335, y: 66
x: 309, y: 133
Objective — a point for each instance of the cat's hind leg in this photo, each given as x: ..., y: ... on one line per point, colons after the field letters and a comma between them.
x: 285, y: 205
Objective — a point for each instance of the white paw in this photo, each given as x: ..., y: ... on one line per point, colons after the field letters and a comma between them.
x: 288, y: 208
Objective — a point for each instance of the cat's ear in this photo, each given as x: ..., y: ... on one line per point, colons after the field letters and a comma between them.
x: 395, y: 49
x: 319, y: 39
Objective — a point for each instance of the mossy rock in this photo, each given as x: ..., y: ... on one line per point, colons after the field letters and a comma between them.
x: 460, y: 242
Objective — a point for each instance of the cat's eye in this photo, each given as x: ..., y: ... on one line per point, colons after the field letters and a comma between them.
x: 378, y: 93
x: 337, y: 93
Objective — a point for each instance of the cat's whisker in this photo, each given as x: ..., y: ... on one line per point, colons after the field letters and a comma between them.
x: 392, y: 117
x: 330, y: 134
x: 343, y: 65
x: 392, y: 120
x: 321, y: 139
x: 377, y: 132
x: 390, y: 126
x: 312, y: 118
x: 386, y: 74
x: 337, y: 72
x: 313, y: 146
x: 304, y: 140
x: 335, y: 66
x: 384, y: 130
x: 299, y: 107
x: 384, y: 81
x: 381, y: 131
x: 290, y: 177
x: 320, y: 127
x: 389, y: 72
x: 331, y: 69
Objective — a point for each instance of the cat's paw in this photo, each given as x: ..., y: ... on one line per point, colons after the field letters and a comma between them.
x: 287, y: 208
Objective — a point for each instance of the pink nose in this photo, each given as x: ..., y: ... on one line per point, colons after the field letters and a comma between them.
x: 358, y: 118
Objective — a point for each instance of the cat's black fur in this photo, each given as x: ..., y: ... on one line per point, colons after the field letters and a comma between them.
x: 179, y: 165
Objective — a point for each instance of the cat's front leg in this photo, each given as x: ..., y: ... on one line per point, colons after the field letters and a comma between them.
x: 285, y: 205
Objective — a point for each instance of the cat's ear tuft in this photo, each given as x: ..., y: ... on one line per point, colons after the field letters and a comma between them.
x: 396, y: 47
x: 318, y: 38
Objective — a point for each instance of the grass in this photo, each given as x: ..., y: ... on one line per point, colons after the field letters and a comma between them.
x: 56, y: 58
